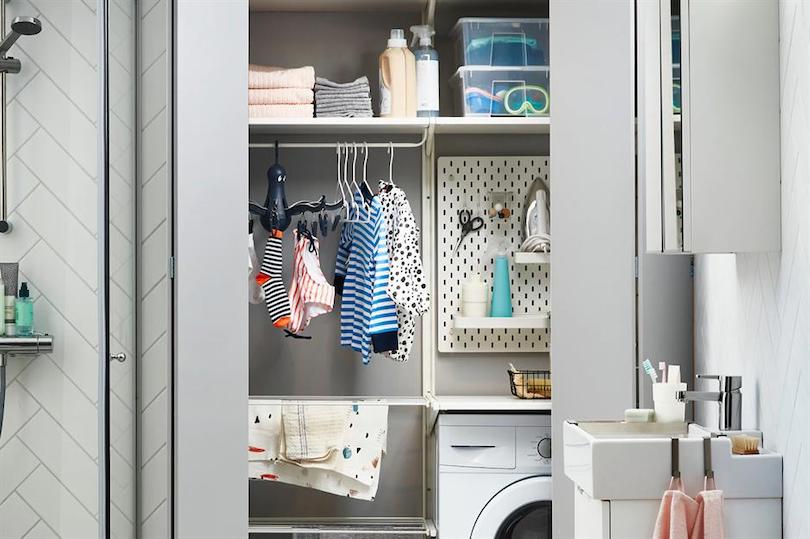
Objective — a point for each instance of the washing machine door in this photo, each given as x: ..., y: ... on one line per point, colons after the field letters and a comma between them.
x: 520, y: 511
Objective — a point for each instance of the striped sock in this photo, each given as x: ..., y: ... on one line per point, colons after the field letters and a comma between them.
x: 269, y: 278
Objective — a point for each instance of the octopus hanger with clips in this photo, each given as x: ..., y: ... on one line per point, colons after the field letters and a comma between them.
x: 276, y: 214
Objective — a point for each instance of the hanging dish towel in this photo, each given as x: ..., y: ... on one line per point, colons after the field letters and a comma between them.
x: 676, y: 515
x: 407, y: 285
x: 353, y: 471
x: 312, y: 432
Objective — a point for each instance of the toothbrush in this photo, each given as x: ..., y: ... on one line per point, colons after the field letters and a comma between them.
x: 662, y: 366
x: 648, y: 368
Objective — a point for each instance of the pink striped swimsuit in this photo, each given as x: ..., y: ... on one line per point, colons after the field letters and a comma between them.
x: 311, y: 294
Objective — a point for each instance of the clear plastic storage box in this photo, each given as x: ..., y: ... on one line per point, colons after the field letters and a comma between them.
x: 499, y: 91
x: 501, y: 42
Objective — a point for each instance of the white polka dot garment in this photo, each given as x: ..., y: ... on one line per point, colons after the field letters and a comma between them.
x: 407, y: 285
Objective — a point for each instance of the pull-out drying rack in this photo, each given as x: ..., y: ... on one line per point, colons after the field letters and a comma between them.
x: 417, y: 527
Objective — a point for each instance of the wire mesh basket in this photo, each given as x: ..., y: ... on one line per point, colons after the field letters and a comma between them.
x: 530, y: 384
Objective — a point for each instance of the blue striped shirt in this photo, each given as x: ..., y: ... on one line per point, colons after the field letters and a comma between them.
x: 368, y: 316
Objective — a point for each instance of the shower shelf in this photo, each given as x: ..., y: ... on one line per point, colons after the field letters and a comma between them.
x: 39, y: 343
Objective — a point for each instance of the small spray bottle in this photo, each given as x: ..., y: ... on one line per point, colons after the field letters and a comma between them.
x: 427, y: 71
x: 501, y: 291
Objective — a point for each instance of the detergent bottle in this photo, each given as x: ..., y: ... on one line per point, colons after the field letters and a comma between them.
x: 397, y: 78
x: 427, y: 71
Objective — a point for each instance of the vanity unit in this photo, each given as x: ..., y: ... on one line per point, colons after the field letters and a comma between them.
x: 621, y: 470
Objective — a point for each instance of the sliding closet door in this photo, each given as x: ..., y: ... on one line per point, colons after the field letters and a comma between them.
x: 211, y: 320
x: 117, y: 236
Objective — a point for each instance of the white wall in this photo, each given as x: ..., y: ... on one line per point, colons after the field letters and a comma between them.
x: 752, y: 312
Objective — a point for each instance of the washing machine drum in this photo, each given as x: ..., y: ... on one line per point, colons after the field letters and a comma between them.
x: 520, y: 511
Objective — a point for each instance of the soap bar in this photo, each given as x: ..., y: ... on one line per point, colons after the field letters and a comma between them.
x: 639, y: 415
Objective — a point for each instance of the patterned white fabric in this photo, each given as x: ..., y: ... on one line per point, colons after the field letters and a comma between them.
x: 407, y: 285
x: 354, y: 470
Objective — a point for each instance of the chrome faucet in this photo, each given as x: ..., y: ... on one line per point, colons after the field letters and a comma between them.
x: 729, y: 399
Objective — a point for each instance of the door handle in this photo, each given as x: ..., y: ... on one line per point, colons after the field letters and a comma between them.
x: 120, y: 357
x: 473, y: 446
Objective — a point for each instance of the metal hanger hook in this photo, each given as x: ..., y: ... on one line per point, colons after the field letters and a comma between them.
x: 391, y: 163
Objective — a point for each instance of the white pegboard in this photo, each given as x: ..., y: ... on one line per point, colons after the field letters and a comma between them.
x: 465, y: 183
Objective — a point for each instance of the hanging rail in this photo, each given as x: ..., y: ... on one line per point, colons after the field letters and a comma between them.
x: 334, y: 145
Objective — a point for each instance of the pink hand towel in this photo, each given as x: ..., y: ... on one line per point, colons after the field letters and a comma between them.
x: 279, y: 77
x: 280, y: 96
x: 281, y: 111
x: 709, y: 522
x: 676, y: 516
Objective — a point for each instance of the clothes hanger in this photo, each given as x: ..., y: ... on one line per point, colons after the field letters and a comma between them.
x: 365, y: 187
x: 388, y: 185
x: 361, y: 214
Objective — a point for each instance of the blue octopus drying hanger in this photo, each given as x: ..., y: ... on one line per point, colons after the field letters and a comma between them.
x: 276, y: 214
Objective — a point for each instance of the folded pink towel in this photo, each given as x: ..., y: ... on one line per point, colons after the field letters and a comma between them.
x: 676, y: 515
x: 281, y: 111
x: 279, y: 77
x: 280, y: 96
x: 709, y: 519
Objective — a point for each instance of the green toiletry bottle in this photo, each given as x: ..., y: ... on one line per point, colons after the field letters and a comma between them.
x: 24, y: 312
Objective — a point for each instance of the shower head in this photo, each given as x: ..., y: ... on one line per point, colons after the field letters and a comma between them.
x: 20, y: 26
x: 26, y: 26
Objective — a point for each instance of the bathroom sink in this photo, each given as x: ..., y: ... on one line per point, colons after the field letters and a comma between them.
x: 620, y: 429
x: 617, y: 460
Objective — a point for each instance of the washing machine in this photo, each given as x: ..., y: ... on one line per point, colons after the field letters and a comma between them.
x: 494, y: 476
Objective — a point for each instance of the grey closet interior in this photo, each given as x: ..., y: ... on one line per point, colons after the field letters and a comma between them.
x: 342, y: 46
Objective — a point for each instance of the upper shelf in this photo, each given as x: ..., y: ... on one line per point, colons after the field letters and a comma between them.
x: 540, y: 125
x: 319, y: 126
x: 400, y: 126
x: 331, y: 6
x: 416, y: 6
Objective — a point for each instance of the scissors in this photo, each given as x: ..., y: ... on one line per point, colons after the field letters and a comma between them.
x: 468, y: 224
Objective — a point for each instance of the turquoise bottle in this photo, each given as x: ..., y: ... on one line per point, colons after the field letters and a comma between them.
x: 24, y: 312
x: 501, y: 292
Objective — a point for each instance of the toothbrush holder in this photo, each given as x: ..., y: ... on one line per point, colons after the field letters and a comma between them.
x: 668, y: 409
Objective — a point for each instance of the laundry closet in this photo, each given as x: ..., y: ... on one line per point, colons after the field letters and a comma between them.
x: 480, y: 185
x: 444, y: 165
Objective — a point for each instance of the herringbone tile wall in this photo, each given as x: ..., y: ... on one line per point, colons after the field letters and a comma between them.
x: 48, y: 451
x: 49, y: 447
x: 752, y: 312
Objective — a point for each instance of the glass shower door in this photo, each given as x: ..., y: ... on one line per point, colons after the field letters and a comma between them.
x: 118, y: 241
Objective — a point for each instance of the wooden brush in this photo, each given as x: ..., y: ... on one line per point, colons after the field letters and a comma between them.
x: 743, y: 444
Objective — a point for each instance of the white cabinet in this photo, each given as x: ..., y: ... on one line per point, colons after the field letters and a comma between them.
x: 711, y: 174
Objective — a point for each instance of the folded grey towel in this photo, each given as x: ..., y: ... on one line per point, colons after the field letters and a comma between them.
x: 345, y: 114
x: 321, y: 82
x: 327, y: 111
x: 363, y: 102
x: 340, y: 95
